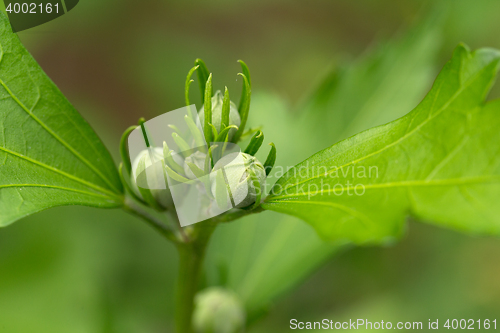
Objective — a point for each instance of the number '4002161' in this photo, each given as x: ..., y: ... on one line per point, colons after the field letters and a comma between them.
x: 471, y: 324
x: 32, y: 8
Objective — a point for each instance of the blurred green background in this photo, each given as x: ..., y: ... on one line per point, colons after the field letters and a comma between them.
x: 321, y: 71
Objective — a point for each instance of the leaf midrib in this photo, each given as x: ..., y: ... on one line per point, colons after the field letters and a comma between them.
x: 55, y: 187
x: 409, y: 183
x: 112, y: 195
x: 404, y: 137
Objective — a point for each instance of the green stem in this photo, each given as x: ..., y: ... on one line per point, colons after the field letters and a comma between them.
x: 191, y: 244
x: 234, y: 215
x: 135, y: 209
x: 191, y: 257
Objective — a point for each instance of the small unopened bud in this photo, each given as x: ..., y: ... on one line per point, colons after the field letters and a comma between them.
x: 148, y: 180
x: 218, y: 310
x: 238, y: 174
x: 234, y: 116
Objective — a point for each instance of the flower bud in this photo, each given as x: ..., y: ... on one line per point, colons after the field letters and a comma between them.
x: 237, y: 173
x: 218, y: 310
x: 148, y: 180
x: 198, y: 159
x: 234, y: 116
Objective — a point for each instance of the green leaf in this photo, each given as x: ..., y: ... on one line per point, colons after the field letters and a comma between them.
x: 244, y: 107
x: 49, y: 155
x: 255, y: 143
x: 377, y: 88
x: 203, y: 75
x: 439, y: 163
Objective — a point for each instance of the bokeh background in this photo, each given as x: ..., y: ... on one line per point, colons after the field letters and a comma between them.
x: 321, y: 71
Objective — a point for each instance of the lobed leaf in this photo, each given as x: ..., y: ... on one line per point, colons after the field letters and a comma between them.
x: 439, y: 163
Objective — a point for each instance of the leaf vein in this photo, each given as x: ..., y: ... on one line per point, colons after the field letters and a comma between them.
x: 440, y: 182
x: 54, y: 187
x: 407, y: 135
x: 59, y: 139
x: 67, y: 175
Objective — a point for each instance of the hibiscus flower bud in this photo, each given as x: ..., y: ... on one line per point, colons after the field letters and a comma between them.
x: 238, y: 169
x: 234, y: 116
x: 148, y: 180
x: 218, y: 310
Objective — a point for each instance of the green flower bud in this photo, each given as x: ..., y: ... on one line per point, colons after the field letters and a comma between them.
x: 143, y: 181
x: 218, y: 310
x: 198, y: 159
x: 239, y: 178
x: 234, y: 116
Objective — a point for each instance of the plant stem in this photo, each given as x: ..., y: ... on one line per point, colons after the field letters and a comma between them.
x: 191, y: 257
x: 135, y: 209
x: 234, y: 215
x: 191, y: 244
